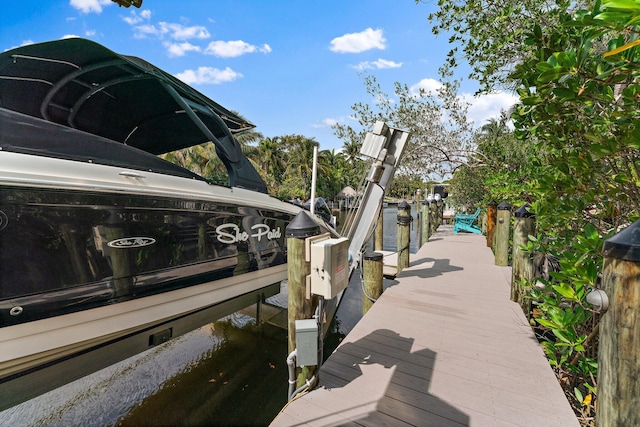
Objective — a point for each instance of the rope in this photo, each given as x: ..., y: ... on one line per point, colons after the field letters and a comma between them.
x: 364, y: 291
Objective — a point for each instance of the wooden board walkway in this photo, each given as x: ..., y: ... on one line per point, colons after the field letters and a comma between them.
x: 443, y: 347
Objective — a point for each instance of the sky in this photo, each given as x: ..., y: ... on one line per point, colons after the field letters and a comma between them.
x: 287, y: 66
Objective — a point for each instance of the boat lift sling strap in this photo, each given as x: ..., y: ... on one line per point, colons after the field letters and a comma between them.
x: 82, y: 85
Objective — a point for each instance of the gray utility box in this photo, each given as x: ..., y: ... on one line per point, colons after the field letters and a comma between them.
x: 307, y: 342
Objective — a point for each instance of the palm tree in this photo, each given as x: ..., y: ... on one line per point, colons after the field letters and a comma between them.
x: 300, y: 157
x: 269, y: 156
x: 337, y: 176
x: 351, y: 151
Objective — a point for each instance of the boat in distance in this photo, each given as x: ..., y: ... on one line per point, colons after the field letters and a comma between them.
x: 103, y: 245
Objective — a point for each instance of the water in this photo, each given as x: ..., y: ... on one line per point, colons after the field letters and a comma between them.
x: 231, y: 372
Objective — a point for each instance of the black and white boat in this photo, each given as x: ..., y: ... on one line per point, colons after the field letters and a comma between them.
x: 106, y: 249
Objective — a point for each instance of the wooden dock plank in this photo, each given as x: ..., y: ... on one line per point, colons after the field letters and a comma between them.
x: 444, y: 346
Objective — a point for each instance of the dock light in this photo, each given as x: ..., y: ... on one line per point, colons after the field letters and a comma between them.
x: 437, y: 197
x: 598, y: 300
x: 430, y: 197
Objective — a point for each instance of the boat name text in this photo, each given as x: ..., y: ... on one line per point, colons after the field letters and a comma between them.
x: 230, y: 233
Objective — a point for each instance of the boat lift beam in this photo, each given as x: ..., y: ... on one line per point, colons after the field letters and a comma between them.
x: 385, y: 146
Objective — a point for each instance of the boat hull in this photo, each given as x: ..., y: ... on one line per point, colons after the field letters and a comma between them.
x: 69, y: 250
x: 98, y: 263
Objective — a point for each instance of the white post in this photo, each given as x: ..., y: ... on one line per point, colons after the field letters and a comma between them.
x: 313, y: 179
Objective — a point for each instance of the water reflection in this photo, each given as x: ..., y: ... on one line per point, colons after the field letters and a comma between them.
x: 242, y: 383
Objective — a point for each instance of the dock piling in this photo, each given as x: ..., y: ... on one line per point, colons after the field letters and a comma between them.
x: 372, y: 279
x: 379, y: 233
x: 501, y: 245
x: 524, y: 224
x: 491, y: 222
x: 404, y: 235
x: 424, y: 223
x: 301, y: 304
x: 619, y: 345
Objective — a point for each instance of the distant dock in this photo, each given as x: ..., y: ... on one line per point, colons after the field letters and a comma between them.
x: 444, y: 346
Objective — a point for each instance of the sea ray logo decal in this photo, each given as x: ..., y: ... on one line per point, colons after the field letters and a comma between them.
x: 3, y: 220
x: 131, y: 242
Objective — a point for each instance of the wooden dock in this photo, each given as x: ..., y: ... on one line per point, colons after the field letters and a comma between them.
x: 444, y: 346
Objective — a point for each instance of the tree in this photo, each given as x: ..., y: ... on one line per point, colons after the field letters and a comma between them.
x: 441, y: 136
x: 269, y: 158
x: 351, y: 151
x: 202, y: 160
x: 405, y: 186
x: 486, y: 35
x: 337, y: 174
x: 576, y: 73
x: 501, y: 168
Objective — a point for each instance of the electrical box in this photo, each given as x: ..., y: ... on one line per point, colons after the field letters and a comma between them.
x: 329, y: 267
x: 307, y: 342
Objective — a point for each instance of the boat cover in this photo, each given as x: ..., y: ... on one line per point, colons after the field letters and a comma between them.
x: 80, y: 84
x: 24, y: 134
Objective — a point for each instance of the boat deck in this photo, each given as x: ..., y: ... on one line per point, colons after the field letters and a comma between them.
x: 444, y: 346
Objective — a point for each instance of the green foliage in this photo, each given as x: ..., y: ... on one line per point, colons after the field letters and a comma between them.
x: 564, y: 312
x: 487, y: 37
x: 405, y: 186
x: 502, y: 168
x: 579, y: 104
x: 576, y: 66
x: 285, y: 163
x: 441, y: 136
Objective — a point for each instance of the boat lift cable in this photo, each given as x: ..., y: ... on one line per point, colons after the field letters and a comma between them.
x: 364, y: 291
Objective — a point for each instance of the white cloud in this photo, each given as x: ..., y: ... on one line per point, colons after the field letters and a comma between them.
x: 172, y: 30
x: 234, y: 48
x: 485, y: 107
x: 135, y: 18
x: 181, y: 32
x: 325, y: 123
x: 88, y: 6
x: 69, y: 36
x: 142, y: 31
x: 208, y: 75
x: 481, y: 108
x: 24, y: 43
x: 180, y: 49
x: 428, y: 85
x: 359, y: 42
x: 379, y: 64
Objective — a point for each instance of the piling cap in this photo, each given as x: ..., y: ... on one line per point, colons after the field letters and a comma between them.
x: 302, y: 226
x: 372, y: 256
x: 504, y: 206
x: 493, y: 203
x: 404, y: 205
x: 523, y: 212
x: 624, y: 245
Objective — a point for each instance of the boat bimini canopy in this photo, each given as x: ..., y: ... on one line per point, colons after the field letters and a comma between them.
x: 83, y: 85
